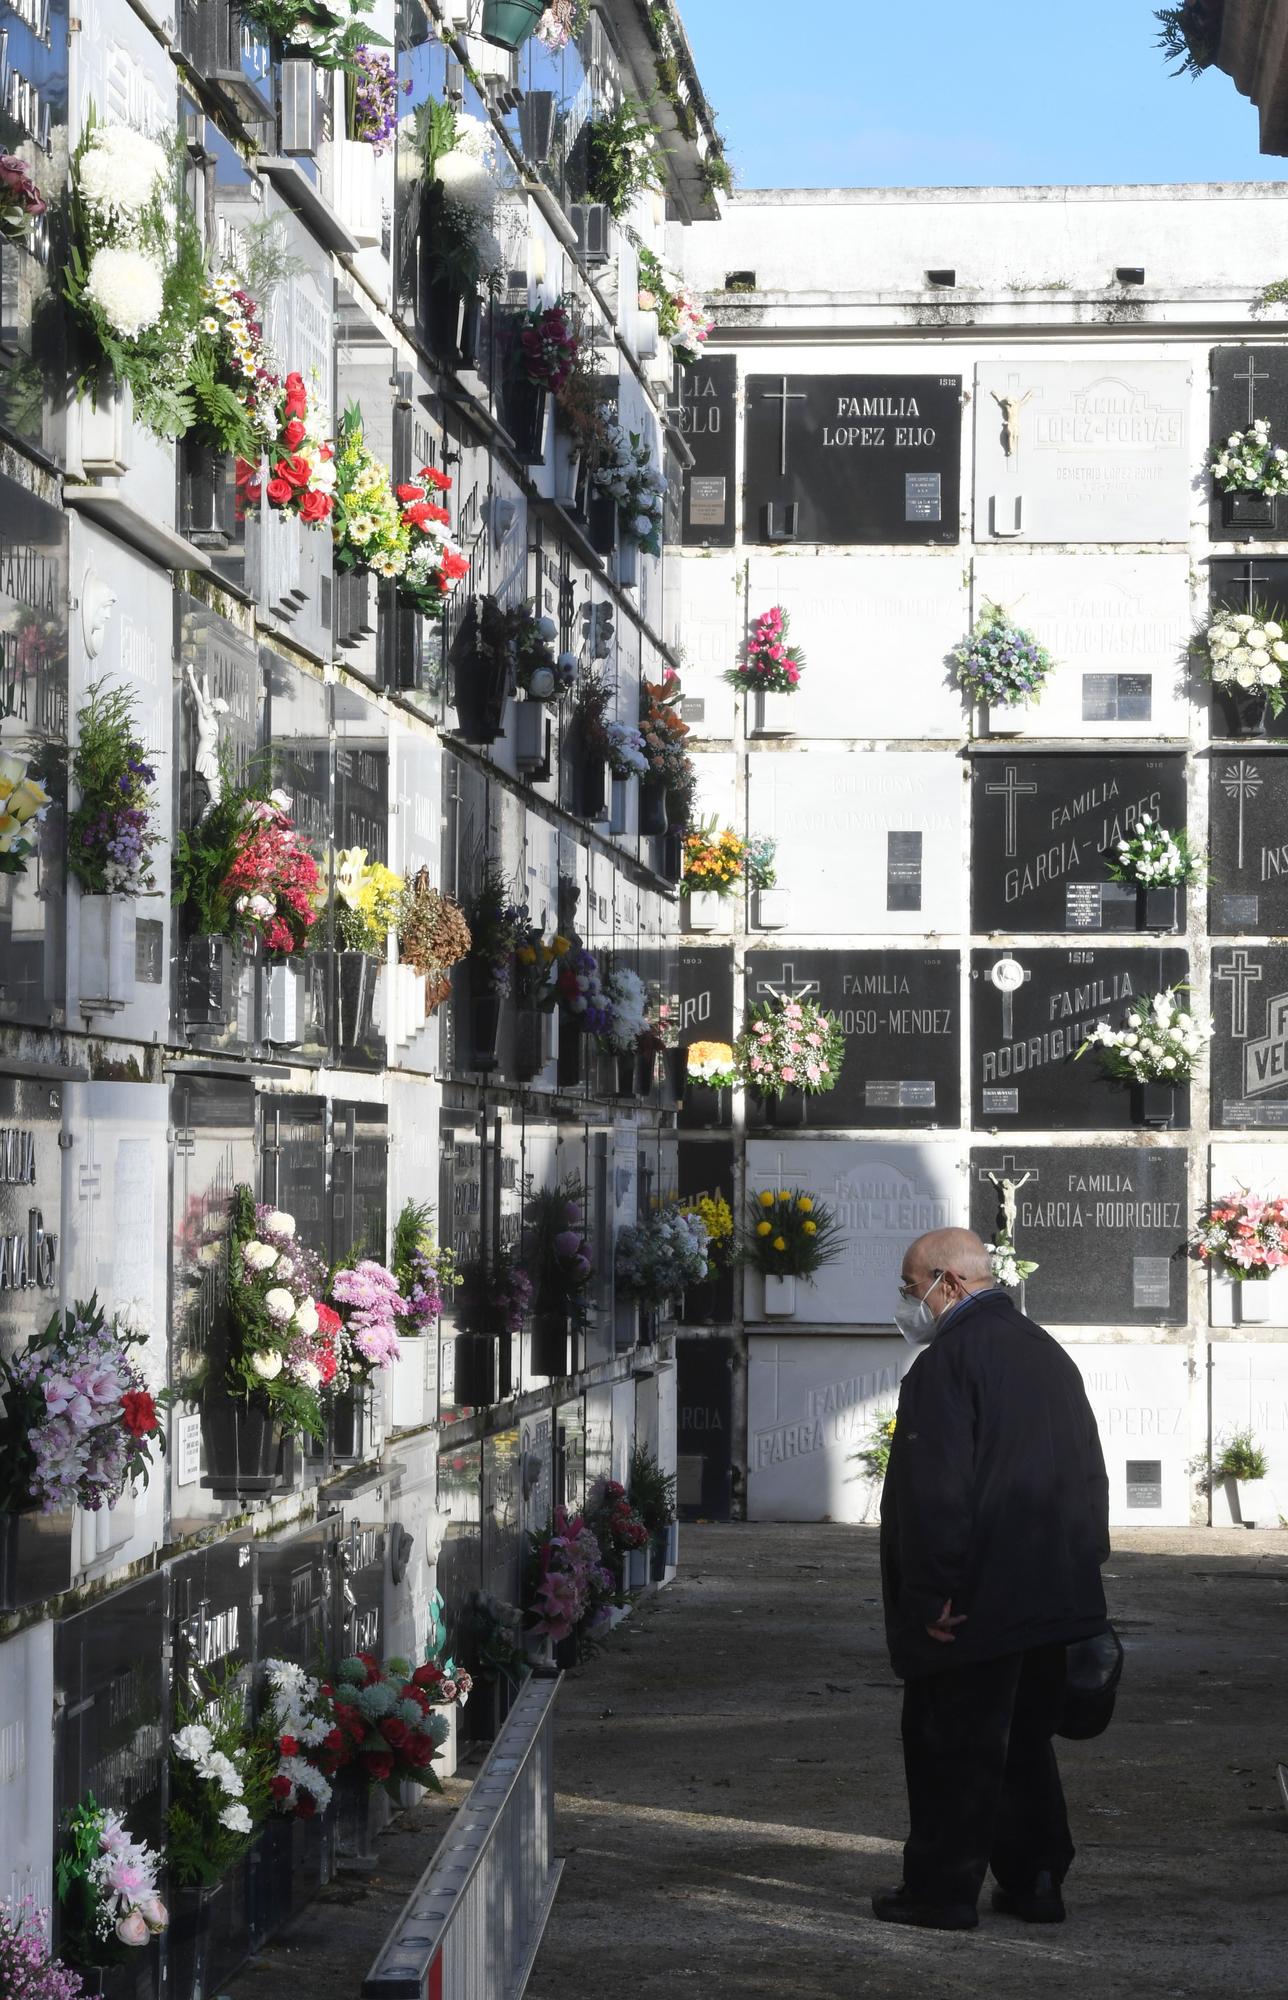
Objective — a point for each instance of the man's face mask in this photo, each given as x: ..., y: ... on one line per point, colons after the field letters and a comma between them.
x: 915, y: 1318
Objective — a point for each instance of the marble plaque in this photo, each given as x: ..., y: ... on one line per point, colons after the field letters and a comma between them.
x: 708, y: 420
x: 867, y: 843
x: 1031, y: 1011
x: 812, y: 1404
x: 33, y: 321
x: 1093, y: 450
x: 1237, y: 1169
x: 1116, y: 628
x: 853, y: 458
x: 33, y: 726
x: 852, y: 616
x: 109, y: 1736
x: 1044, y: 829
x: 704, y: 1428
x: 1141, y: 1398
x: 1250, y: 1046
x: 31, y: 1177
x: 900, y: 1013
x: 27, y: 1807
x: 883, y: 1194
x: 1250, y: 1393
x: 1247, y: 808
x: 1118, y: 1212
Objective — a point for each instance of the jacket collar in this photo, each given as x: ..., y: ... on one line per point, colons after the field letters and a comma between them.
x: 965, y: 1306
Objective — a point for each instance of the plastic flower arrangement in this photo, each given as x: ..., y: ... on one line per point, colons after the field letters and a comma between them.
x: 628, y: 474
x: 622, y: 160
x: 713, y: 1064
x: 1000, y: 663
x: 435, y: 564
x: 557, y: 1250
x: 680, y: 318
x: 112, y: 830
x: 462, y: 184
x: 1154, y: 857
x: 371, y: 99
x: 367, y: 524
x: 24, y: 803
x: 283, y: 1337
x: 570, y: 1588
x: 234, y: 381
x: 301, y: 461
x: 368, y: 900
x: 771, y: 666
x: 386, y: 1722
x: 497, y: 929
x: 760, y: 857
x: 658, y: 1259
x: 444, y: 1683
x: 713, y: 859
x: 692, y: 326
x: 79, y: 1423
x: 562, y: 22
x: 624, y: 749
x: 1242, y: 1236
x: 875, y: 1453
x: 665, y: 731
x: 615, y: 1521
x: 433, y: 935
x: 423, y: 1269
x: 543, y: 674
x: 1160, y: 1044
x: 1249, y: 463
x: 1247, y: 653
x: 220, y: 1767
x: 791, y: 1234
x: 790, y: 1045
x: 365, y: 1294
x: 652, y: 1490
x: 300, y: 1721
x: 537, y: 960
x: 243, y: 872
x: 20, y: 198
x: 28, y: 1970
x: 628, y: 1001
x: 582, y: 993
x: 107, y: 1887
x: 549, y: 344
x: 331, y: 34
x: 1006, y: 1263
x: 716, y: 1217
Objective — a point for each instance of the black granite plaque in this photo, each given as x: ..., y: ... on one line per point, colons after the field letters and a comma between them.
x: 295, y: 1596
x: 1031, y: 1011
x: 213, y: 1121
x: 33, y: 318
x: 900, y: 1014
x: 846, y: 458
x: 1238, y: 583
x: 570, y: 1453
x: 501, y: 1515
x: 293, y: 1134
x: 706, y: 996
x: 110, y: 1675
x: 214, y: 1614
x: 359, y: 1180
x: 1105, y: 1225
x: 362, y: 1586
x: 1045, y: 828
x: 1247, y: 383
x: 460, y: 1562
x: 705, y: 1167
x: 708, y: 421
x: 1248, y: 819
x: 1250, y: 1045
x: 704, y: 1428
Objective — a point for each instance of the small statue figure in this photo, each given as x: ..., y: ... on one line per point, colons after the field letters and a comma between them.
x: 1010, y: 406
x: 205, y: 755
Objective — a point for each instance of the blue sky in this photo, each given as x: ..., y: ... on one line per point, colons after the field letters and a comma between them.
x: 870, y: 93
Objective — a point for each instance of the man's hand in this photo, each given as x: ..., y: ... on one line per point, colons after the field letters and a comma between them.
x: 942, y: 1629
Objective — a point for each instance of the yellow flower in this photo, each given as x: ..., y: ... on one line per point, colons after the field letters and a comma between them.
x: 562, y: 944
x: 526, y: 955
x: 805, y: 1205
x: 766, y: 1199
x: 810, y: 1228
x: 763, y: 1228
x: 780, y: 1243
x: 783, y: 1195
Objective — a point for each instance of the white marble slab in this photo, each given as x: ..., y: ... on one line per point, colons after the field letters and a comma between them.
x: 812, y: 1404
x: 1142, y: 1399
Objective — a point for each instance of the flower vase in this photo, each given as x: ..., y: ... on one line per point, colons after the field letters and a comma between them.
x: 108, y: 936
x: 1155, y: 1104
x: 531, y: 736
x: 780, y: 1297
x: 355, y: 172
x: 526, y: 417
x: 508, y: 23
x: 653, y: 813
x: 285, y: 998
x: 243, y: 1445
x: 205, y: 487
x: 1243, y: 511
x: 355, y: 992
x: 672, y: 854
x: 657, y: 1557
x: 351, y: 1796
x: 550, y: 1344
x: 594, y: 786
x: 601, y: 522
x: 637, y: 1569
x: 628, y: 564
x: 572, y: 1042
x: 646, y: 334
x: 1005, y: 718
x: 770, y: 909
x: 565, y: 1651
x: 706, y: 910
x: 789, y: 1110
x: 209, y: 981
x: 106, y: 427
x: 35, y: 1557
x: 187, y: 1941
x: 567, y: 471
x: 485, y: 1030
x: 1253, y: 1302
x: 624, y: 1077
x: 705, y: 1107
x: 348, y: 1425
x: 408, y: 1379
x: 1249, y: 709
x: 355, y: 607
x: 771, y: 714
x: 699, y: 1304
x: 476, y: 1378
x: 1156, y: 909
x: 645, y: 1072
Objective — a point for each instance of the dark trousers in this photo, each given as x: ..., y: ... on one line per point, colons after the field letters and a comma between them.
x: 983, y: 1787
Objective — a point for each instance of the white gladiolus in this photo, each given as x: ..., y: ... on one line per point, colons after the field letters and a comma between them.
x: 128, y: 288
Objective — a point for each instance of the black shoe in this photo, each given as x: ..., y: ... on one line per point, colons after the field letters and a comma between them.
x: 1042, y: 1904
x: 898, y: 1906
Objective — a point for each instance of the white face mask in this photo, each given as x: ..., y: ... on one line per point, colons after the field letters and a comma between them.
x: 915, y: 1319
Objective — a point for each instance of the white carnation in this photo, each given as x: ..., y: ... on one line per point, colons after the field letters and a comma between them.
x: 237, y: 1819
x: 128, y: 288
x: 466, y: 181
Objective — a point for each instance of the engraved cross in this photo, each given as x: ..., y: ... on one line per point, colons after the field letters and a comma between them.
x: 1252, y: 375
x: 783, y: 396
x: 1239, y: 974
x: 1011, y: 790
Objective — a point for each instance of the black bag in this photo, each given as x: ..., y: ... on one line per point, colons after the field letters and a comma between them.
x: 1093, y: 1669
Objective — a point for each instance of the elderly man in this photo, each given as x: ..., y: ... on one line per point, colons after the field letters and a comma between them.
x: 994, y: 1525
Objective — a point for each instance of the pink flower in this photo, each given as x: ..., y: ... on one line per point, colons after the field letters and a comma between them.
x: 788, y: 1074
x: 133, y: 1929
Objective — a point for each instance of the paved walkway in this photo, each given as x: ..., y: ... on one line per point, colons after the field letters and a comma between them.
x: 730, y: 1790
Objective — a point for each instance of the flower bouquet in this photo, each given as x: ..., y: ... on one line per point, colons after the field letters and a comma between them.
x: 385, y: 1719
x: 233, y: 377
x: 627, y: 473
x: 790, y: 1235
x: 107, y: 1887
x: 658, y: 1259
x: 220, y: 1770
x: 24, y: 803
x: 570, y: 1588
x: 1247, y: 653
x: 302, y: 1725
x: 1006, y: 1264
x: 712, y: 1064
x: 112, y: 830
x: 1156, y: 1050
x: 664, y: 731
x: 582, y: 993
x: 1241, y: 1236
x: 680, y: 318
x: 549, y: 344
x: 433, y: 936
x: 771, y: 665
x: 624, y: 749
x: 424, y: 1270
x: 1154, y: 858
x: 366, y: 1297
x: 1000, y: 663
x: 562, y: 22
x: 301, y: 461
x: 435, y: 565
x: 368, y: 901
x: 461, y: 184
x: 79, y: 1422
x: 543, y: 674
x: 20, y: 199
x: 368, y: 525
x: 28, y: 1969
x: 556, y: 1248
x: 716, y: 1217
x: 713, y: 860
x: 622, y: 160
x: 759, y: 859
x: 498, y: 928
x: 371, y: 93
x: 627, y: 998
x: 537, y: 960
x: 1248, y: 462
x: 617, y: 1526
x: 790, y: 1045
x: 242, y: 871
x: 692, y: 326
x: 282, y: 1349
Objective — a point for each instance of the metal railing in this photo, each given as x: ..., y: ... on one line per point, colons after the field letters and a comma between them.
x: 471, y: 1927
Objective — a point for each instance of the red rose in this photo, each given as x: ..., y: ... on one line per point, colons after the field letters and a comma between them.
x: 378, y: 1767
x: 287, y: 1746
x: 295, y: 381
x: 297, y: 470
x: 428, y: 1676
x: 394, y: 1732
x: 419, y: 1752
x: 279, y: 491
x: 315, y: 508
x: 333, y: 1740
x: 294, y: 434
x: 305, y: 1806
x: 138, y: 1413
x: 329, y: 1322
x: 280, y: 1787
x: 243, y: 470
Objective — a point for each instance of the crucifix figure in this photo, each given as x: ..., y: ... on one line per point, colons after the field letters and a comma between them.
x: 1241, y: 781
x: 783, y: 396
x: 1239, y: 974
x: 1010, y: 405
x: 1008, y: 1188
x: 1252, y: 375
x: 205, y: 755
x: 787, y: 986
x: 1008, y: 975
x: 1011, y: 790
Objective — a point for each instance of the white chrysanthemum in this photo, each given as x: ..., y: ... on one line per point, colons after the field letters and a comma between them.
x: 128, y: 288
x: 467, y: 182
x: 119, y: 173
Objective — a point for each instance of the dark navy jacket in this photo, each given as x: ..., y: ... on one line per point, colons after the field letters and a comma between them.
x: 995, y: 1497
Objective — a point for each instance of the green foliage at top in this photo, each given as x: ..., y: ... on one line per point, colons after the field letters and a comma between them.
x: 331, y: 37
x: 200, y: 1848
x: 1188, y: 35
x: 623, y: 158
x: 1241, y: 1458
x: 652, y: 1490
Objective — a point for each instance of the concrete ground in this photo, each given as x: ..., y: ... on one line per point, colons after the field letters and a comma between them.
x: 730, y: 1792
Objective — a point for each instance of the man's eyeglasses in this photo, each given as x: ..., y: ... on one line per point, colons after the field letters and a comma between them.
x: 907, y: 1287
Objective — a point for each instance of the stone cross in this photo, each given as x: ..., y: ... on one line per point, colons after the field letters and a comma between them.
x: 1252, y: 375
x: 1011, y: 790
x: 1239, y: 975
x: 1242, y: 781
x: 783, y: 396
x: 787, y: 986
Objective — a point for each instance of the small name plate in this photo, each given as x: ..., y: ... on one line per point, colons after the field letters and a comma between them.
x: 899, y: 1096
x: 1144, y: 1482
x: 1117, y: 697
x: 1000, y: 1103
x: 1240, y: 1111
x: 1151, y: 1283
x: 922, y: 497
x: 708, y: 504
x: 903, y: 871
x: 1241, y: 910
x: 1082, y: 910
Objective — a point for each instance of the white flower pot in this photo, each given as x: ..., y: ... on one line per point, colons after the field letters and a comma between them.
x: 780, y: 1297
x: 1258, y: 1507
x: 771, y: 909
x: 1005, y: 719
x: 446, y: 1754
x: 407, y: 1381
x: 356, y: 185
x: 646, y: 335
x: 672, y: 1544
x: 628, y: 564
x: 617, y: 805
x: 284, y: 992
x: 407, y: 1011
x: 1254, y: 1302
x: 637, y: 1569
x: 706, y: 910
x: 106, y: 425
x: 108, y: 931
x: 530, y: 735
x: 567, y: 469
x: 772, y: 715
x: 550, y: 1035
